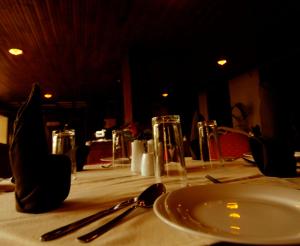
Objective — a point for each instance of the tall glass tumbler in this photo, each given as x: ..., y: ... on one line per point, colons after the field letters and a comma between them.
x: 63, y: 143
x: 169, y: 162
x: 121, y: 149
x: 210, y: 149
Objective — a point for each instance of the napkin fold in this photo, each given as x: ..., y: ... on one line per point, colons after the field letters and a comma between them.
x: 274, y: 157
x: 273, y: 145
x: 42, y: 181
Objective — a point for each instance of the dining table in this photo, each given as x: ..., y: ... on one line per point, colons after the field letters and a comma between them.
x: 100, y: 186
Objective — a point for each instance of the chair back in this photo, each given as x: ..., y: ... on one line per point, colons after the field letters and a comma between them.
x: 233, y: 142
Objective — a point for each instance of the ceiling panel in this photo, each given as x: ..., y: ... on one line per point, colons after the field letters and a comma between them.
x: 75, y: 48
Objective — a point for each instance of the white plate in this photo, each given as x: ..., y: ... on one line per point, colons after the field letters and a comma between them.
x: 240, y: 213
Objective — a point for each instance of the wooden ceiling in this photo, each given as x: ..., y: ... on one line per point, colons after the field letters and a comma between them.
x: 76, y: 48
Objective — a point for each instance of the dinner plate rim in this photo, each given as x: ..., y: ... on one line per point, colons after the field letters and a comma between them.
x: 161, y: 212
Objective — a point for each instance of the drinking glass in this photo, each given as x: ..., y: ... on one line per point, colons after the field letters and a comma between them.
x: 169, y: 162
x: 63, y: 143
x: 210, y: 149
x: 121, y: 148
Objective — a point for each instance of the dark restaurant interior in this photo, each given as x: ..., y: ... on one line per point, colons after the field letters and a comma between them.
x: 182, y: 113
x: 113, y: 60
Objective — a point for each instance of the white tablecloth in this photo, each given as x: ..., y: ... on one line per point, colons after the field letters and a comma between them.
x: 98, y: 188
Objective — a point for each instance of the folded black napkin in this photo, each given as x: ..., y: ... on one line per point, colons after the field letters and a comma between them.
x: 42, y: 181
x: 273, y: 156
x: 5, y: 171
x: 273, y: 144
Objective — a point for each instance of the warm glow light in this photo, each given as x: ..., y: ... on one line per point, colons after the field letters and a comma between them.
x: 235, y: 215
x: 165, y: 94
x: 234, y: 227
x: 15, y: 51
x: 222, y: 62
x: 47, y: 95
x: 232, y: 205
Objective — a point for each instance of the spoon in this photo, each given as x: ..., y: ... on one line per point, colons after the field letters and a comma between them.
x: 64, y: 230
x: 145, y: 200
x: 212, y: 179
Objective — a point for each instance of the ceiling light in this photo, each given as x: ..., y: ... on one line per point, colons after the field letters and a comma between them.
x: 48, y: 95
x: 222, y: 62
x: 165, y: 94
x: 15, y: 51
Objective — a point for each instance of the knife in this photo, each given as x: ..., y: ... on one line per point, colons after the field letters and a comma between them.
x: 217, y: 181
x: 61, y: 231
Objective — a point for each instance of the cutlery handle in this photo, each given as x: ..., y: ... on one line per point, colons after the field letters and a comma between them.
x: 212, y: 179
x: 104, y: 228
x: 59, y: 232
x: 248, y: 160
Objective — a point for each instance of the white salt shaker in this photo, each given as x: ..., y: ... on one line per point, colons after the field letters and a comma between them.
x: 147, y: 165
x: 137, y: 150
x: 150, y: 146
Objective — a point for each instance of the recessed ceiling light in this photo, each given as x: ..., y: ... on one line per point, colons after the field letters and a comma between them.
x: 15, y: 51
x: 222, y: 62
x: 48, y: 95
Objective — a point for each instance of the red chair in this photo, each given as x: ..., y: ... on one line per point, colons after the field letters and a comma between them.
x: 233, y: 142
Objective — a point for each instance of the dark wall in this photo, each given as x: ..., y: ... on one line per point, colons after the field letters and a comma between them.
x: 156, y: 71
x: 279, y: 84
x: 183, y: 74
x: 218, y: 101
